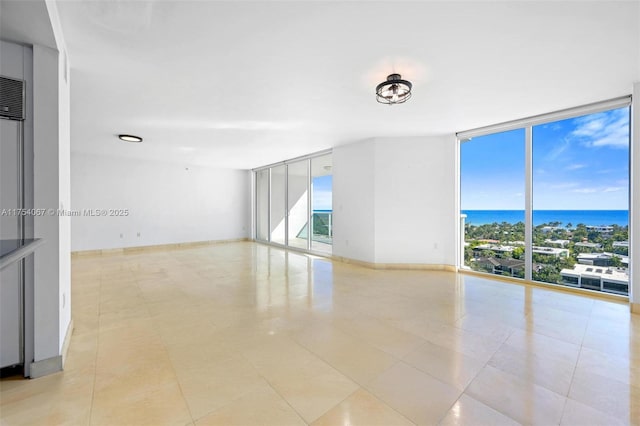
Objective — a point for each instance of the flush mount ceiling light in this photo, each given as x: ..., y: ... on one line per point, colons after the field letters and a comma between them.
x: 393, y: 91
x: 130, y: 138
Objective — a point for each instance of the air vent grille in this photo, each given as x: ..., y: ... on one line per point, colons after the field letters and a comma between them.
x: 11, y: 98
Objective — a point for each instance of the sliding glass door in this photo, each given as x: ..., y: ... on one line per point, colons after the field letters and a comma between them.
x: 262, y: 205
x: 321, y: 204
x: 298, y: 200
x: 277, y: 217
x: 294, y: 204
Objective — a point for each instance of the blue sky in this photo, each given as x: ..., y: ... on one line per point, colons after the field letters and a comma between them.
x: 321, y: 195
x: 578, y: 164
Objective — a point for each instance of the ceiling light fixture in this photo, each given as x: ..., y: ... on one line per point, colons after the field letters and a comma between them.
x: 393, y: 91
x: 130, y: 138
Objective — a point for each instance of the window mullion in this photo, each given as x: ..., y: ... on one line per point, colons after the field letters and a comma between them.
x: 528, y: 206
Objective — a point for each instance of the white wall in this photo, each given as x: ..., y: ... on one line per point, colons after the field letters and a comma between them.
x: 394, y: 200
x: 415, y: 200
x: 167, y: 203
x: 64, y: 193
x: 48, y: 259
x: 353, y: 201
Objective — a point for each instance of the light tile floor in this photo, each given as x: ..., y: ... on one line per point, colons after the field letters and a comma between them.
x: 243, y: 334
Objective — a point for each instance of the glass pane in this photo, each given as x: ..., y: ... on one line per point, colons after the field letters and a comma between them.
x: 321, y: 204
x: 262, y: 205
x: 492, y: 201
x: 581, y: 202
x: 277, y: 204
x: 298, y: 180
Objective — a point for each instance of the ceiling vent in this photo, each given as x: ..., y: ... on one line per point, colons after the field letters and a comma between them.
x: 12, y: 96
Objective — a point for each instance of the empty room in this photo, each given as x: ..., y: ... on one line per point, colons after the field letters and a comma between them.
x: 319, y: 212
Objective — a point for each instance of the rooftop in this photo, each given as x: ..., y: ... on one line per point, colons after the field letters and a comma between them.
x: 608, y: 273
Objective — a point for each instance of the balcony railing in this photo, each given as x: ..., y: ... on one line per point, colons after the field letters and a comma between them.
x: 322, y: 226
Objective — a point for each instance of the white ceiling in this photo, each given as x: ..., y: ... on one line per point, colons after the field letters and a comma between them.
x: 242, y: 84
x: 26, y: 22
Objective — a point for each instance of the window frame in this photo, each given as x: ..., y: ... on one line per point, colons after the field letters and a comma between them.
x: 528, y: 124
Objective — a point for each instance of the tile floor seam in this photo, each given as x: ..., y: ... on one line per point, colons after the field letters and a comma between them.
x: 95, y: 367
x: 573, y: 375
x: 361, y: 385
x: 286, y: 400
x: 360, y: 388
x: 623, y: 384
x: 482, y: 402
x: 330, y: 365
x: 175, y: 374
x: 564, y: 406
x: 367, y: 387
x: 446, y: 413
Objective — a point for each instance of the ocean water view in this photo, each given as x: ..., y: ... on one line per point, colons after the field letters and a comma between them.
x: 574, y: 217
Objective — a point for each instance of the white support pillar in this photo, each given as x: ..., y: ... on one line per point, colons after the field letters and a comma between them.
x: 634, y: 217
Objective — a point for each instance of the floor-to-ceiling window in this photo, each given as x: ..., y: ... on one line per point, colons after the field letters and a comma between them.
x: 321, y: 204
x: 298, y: 200
x: 293, y: 203
x: 548, y: 198
x: 492, y: 189
x: 262, y: 205
x: 581, y: 201
x: 277, y: 222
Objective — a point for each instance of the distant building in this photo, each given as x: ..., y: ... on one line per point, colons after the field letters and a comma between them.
x: 547, y: 229
x: 552, y: 251
x: 588, y: 245
x: 607, y: 279
x: 501, y: 266
x: 601, y: 259
x: 621, y: 247
x: 602, y: 229
x: 559, y: 243
x: 499, y: 250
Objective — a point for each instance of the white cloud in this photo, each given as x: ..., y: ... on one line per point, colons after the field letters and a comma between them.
x: 564, y: 185
x: 605, y: 129
x: 592, y: 190
x: 576, y: 166
x: 558, y: 149
x: 585, y: 190
x: 589, y: 126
